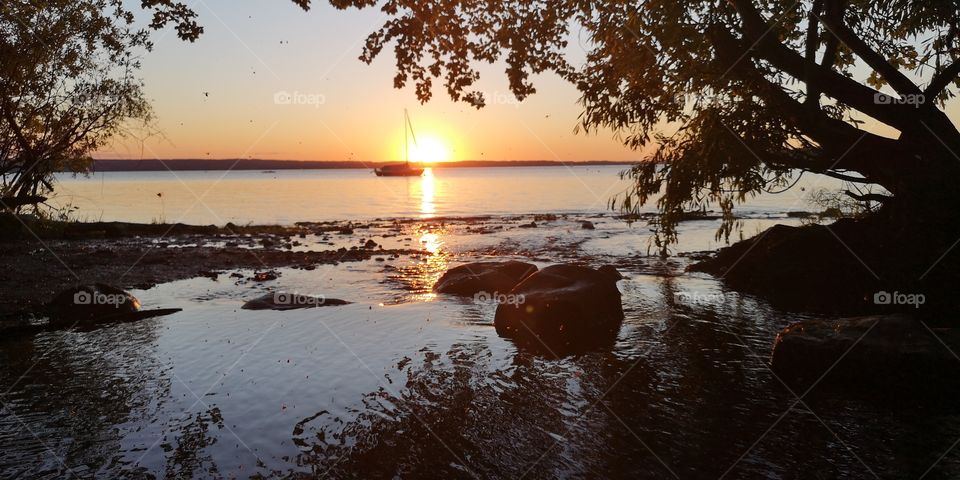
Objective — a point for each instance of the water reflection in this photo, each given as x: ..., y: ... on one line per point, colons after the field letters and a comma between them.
x: 427, y: 187
x: 417, y: 276
x: 435, y: 262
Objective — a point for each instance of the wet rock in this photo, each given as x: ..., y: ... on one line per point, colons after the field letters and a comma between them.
x: 883, y: 349
x: 779, y: 264
x: 490, y: 277
x: 562, y: 309
x: 97, y: 303
x: 291, y: 301
x: 528, y: 225
x: 587, y: 225
x: 345, y: 231
x: 370, y: 244
x: 265, y: 276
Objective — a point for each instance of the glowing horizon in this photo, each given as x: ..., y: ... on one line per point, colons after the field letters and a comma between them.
x: 256, y: 85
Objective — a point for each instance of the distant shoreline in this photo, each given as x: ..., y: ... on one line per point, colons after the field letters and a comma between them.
x: 253, y: 164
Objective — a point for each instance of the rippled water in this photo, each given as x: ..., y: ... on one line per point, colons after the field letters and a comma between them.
x: 404, y: 383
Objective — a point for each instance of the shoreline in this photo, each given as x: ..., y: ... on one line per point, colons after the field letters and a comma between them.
x: 47, y: 257
x: 155, y: 165
x: 140, y: 256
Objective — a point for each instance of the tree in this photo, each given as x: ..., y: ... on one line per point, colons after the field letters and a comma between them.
x: 67, y: 84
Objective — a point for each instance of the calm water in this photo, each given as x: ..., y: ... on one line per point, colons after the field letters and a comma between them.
x: 288, y: 196
x: 404, y: 383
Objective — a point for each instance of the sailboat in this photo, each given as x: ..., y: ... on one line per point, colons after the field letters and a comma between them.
x: 404, y: 170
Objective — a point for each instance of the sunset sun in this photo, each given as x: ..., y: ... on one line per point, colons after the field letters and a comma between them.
x: 429, y: 149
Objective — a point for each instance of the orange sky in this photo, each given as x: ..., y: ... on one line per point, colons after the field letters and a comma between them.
x: 216, y: 98
x: 268, y: 81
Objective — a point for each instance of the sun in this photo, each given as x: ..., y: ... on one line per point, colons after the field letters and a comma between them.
x: 429, y: 149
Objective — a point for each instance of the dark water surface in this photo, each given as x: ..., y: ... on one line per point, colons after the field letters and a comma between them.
x: 406, y: 384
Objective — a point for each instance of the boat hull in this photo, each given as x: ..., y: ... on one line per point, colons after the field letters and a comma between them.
x: 413, y: 172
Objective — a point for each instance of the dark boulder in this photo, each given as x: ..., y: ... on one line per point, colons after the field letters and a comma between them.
x: 563, y: 309
x: 779, y: 264
x: 587, y: 225
x: 291, y: 301
x: 489, y: 277
x: 98, y: 303
x: 887, y: 349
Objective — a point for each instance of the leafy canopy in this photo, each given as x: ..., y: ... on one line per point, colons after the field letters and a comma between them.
x: 67, y: 83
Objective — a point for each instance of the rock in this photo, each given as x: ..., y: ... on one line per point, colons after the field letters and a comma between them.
x: 780, y: 263
x: 489, y: 277
x: 98, y: 303
x: 345, y: 231
x: 587, y: 225
x: 563, y: 309
x: 265, y: 276
x: 291, y: 301
x: 883, y: 349
x: 529, y: 225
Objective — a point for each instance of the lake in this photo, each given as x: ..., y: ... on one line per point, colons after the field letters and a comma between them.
x: 287, y: 196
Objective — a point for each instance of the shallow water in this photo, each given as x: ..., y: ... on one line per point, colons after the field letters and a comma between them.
x: 404, y: 383
x: 288, y: 196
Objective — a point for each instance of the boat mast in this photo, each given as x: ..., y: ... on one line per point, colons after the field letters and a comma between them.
x: 406, y: 140
x: 406, y: 144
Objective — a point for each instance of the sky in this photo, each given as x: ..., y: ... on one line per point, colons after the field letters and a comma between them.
x: 269, y: 81
x: 218, y: 97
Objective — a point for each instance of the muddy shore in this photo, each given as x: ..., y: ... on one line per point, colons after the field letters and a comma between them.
x: 129, y: 255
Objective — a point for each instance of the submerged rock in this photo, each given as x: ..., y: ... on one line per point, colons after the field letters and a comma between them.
x: 563, y: 309
x: 587, y: 225
x: 99, y: 303
x: 887, y: 349
x: 488, y: 277
x: 291, y: 301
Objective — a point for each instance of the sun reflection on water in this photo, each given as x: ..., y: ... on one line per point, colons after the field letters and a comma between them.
x: 427, y: 190
x: 434, y: 264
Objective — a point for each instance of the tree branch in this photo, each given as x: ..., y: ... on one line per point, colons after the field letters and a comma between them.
x: 812, y: 42
x: 901, y: 116
x: 868, y: 197
x: 13, y: 203
x: 891, y: 74
x: 942, y: 80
